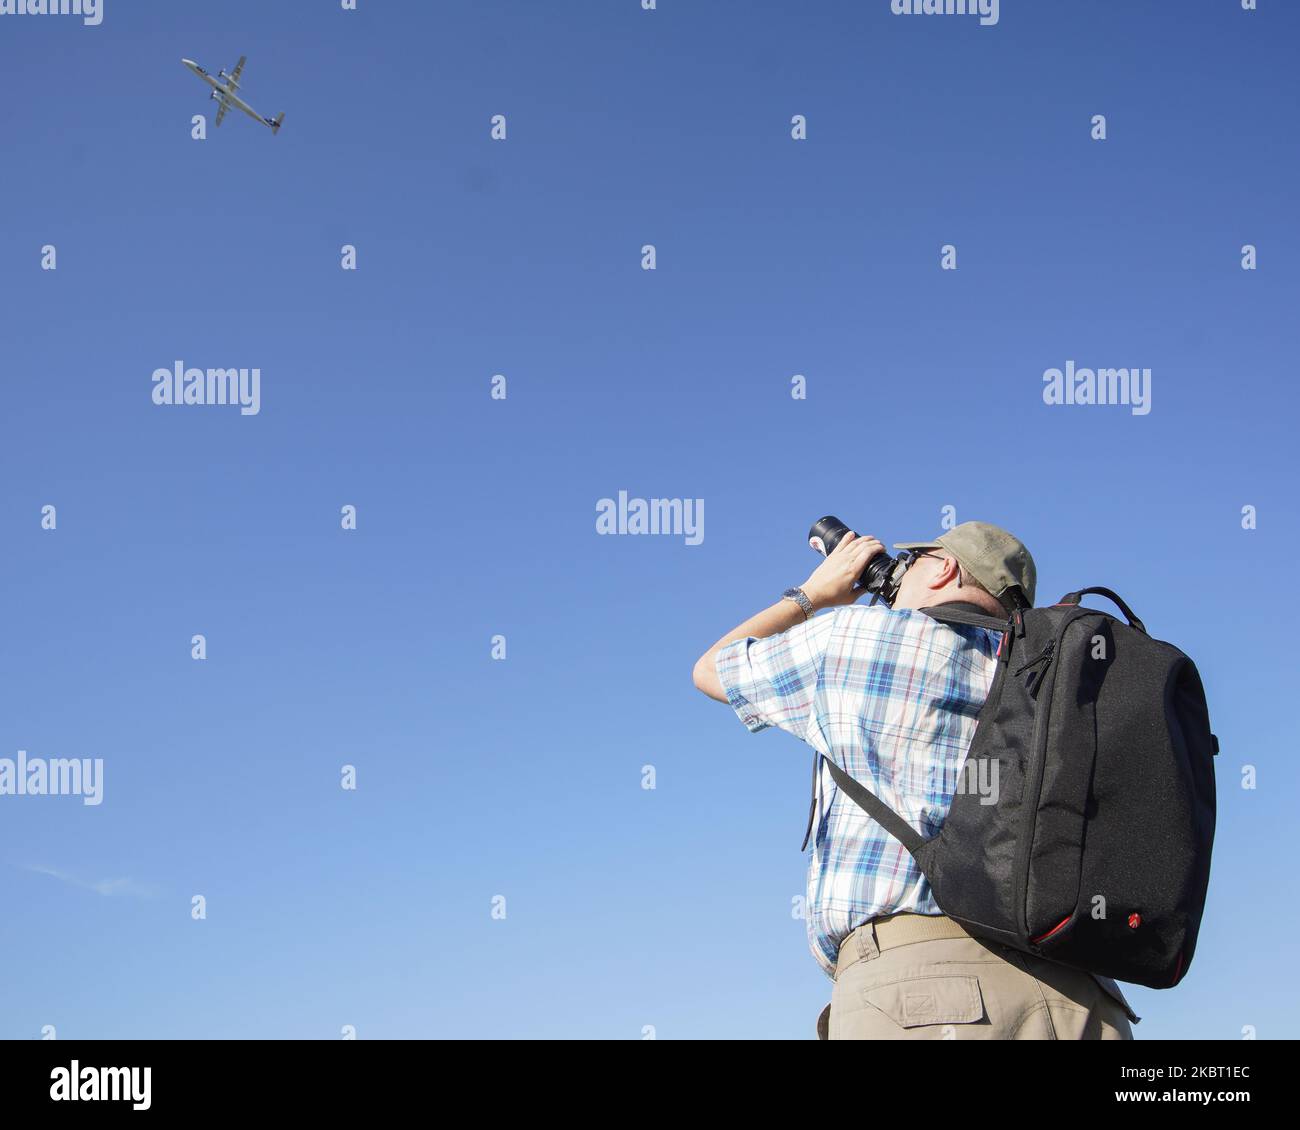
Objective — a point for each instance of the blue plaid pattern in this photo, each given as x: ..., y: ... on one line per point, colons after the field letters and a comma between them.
x: 892, y: 695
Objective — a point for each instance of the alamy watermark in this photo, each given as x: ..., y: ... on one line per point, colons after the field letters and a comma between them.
x: 76, y: 1083
x: 987, y: 10
x: 1099, y: 386
x: 179, y: 385
x: 978, y: 776
x: 90, y: 11
x: 59, y: 776
x: 679, y: 517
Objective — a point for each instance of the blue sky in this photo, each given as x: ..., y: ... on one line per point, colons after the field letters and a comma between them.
x: 626, y: 907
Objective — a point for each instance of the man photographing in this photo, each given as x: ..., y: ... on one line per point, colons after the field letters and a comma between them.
x: 891, y: 695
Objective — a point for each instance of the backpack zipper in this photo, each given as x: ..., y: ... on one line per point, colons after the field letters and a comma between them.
x: 1044, y: 657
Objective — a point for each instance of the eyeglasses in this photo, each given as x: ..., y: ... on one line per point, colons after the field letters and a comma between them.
x: 914, y: 554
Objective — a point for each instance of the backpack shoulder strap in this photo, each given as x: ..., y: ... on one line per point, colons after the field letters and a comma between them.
x: 960, y: 612
x: 877, y: 809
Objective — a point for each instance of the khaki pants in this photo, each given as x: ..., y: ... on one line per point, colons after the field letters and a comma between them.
x: 921, y: 977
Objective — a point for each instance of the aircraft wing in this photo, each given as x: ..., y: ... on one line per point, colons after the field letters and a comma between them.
x: 239, y: 70
x: 221, y: 112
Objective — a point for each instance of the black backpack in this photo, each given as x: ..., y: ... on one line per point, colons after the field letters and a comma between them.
x: 1096, y: 852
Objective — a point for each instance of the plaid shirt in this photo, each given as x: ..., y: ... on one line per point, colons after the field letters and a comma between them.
x: 892, y: 695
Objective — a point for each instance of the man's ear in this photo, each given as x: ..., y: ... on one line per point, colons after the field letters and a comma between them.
x: 947, y: 572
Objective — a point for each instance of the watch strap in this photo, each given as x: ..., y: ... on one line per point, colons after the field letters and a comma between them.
x: 801, y: 599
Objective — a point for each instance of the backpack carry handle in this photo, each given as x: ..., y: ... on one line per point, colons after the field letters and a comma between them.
x: 1113, y: 597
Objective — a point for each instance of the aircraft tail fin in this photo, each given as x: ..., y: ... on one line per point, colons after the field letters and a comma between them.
x: 276, y: 122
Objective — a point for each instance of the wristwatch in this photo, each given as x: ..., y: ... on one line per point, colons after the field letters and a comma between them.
x: 801, y: 599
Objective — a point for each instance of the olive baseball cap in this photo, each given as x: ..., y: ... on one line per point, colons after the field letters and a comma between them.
x: 992, y: 556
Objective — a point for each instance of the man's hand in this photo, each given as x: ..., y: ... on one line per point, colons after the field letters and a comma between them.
x: 832, y: 581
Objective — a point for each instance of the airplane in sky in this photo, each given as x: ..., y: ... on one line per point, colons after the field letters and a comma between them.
x: 223, y: 91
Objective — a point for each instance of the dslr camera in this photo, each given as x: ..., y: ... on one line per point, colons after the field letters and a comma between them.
x: 883, y: 573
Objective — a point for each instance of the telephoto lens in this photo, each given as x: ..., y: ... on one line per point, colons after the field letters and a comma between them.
x: 882, y: 574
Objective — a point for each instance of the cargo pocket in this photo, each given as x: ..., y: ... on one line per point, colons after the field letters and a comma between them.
x: 918, y: 1001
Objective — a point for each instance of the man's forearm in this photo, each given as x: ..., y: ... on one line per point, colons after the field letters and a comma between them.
x: 780, y: 617
x: 832, y: 583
